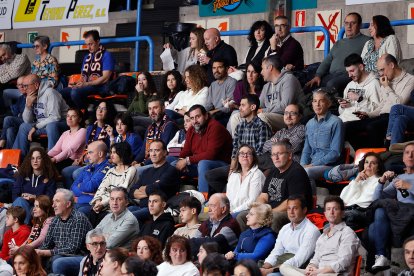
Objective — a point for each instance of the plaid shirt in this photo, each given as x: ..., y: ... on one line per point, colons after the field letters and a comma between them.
x: 254, y: 133
x: 67, y: 237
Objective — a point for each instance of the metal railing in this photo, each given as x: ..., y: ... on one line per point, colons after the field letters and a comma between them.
x: 402, y: 22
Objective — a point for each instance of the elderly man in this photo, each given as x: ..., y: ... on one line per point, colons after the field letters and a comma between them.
x: 324, y: 139
x: 221, y: 227
x: 67, y: 232
x: 97, y: 69
x: 217, y: 49
x: 282, y: 89
x: 336, y: 249
x: 331, y: 72
x: 396, y: 87
x: 408, y: 247
x: 285, y: 45
x: 12, y: 65
x: 296, y: 241
x: 44, y: 110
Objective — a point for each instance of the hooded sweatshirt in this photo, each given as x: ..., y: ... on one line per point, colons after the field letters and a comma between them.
x: 19, y: 236
x: 161, y: 228
x: 35, y: 185
x: 49, y: 107
x: 368, y: 91
x: 276, y: 96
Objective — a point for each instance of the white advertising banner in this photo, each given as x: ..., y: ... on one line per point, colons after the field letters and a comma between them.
x: 37, y: 13
x: 6, y: 9
x: 358, y: 2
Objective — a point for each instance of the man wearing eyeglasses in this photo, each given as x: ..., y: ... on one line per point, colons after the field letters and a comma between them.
x: 285, y: 45
x: 331, y: 72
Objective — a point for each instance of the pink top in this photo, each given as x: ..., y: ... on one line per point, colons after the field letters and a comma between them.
x: 37, y: 242
x: 69, y: 145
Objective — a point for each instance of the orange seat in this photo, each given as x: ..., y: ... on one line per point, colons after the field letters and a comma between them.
x: 358, y: 266
x: 75, y: 78
x: 131, y: 74
x: 9, y: 156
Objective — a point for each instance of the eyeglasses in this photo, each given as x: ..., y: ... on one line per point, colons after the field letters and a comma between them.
x: 101, y: 108
x: 36, y: 46
x: 96, y: 244
x: 245, y: 154
x: 290, y: 113
x: 277, y: 154
x: 25, y: 86
x: 281, y: 26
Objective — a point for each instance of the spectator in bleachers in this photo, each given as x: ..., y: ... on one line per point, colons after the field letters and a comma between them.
x: 96, y: 245
x: 91, y: 176
x: 12, y: 65
x: 246, y: 267
x: 11, y: 123
x: 27, y: 262
x: 408, y: 247
x: 205, y: 249
x: 161, y: 225
x: 120, y: 227
x: 362, y: 93
x: 11, y: 96
x: 160, y: 176
x: 393, y: 210
x: 296, y: 241
x: 336, y: 249
x: 113, y: 260
x: 44, y: 112
x: 122, y: 175
x: 245, y: 181
x: 252, y: 83
x: 400, y: 119
x: 97, y: 69
x: 189, y: 55
x: 36, y: 176
x: 71, y: 143
x: 217, y: 49
x: 124, y: 128
x: 67, y: 232
x: 178, y: 140
x: 45, y: 65
x: 220, y: 92
x: 286, y: 178
x: 282, y: 89
x: 207, y: 146
x: 359, y: 193
x: 383, y: 41
x: 148, y: 248
x: 172, y: 84
x: 294, y: 132
x: 136, y: 266
x: 17, y: 231
x: 396, y: 87
x: 220, y: 227
x: 285, y: 45
x: 257, y: 241
x: 331, y: 72
x: 162, y: 128
x: 196, y: 81
x: 216, y: 264
x: 145, y: 89
x: 190, y: 209
x: 324, y: 139
x: 177, y: 257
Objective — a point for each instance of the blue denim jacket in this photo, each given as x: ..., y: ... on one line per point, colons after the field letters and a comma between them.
x: 324, y: 140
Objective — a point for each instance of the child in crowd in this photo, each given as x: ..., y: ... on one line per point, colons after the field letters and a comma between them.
x: 18, y: 232
x: 190, y: 208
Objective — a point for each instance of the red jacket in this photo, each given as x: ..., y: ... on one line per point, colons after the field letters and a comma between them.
x: 215, y: 143
x: 19, y: 236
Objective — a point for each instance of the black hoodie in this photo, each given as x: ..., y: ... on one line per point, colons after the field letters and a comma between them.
x: 161, y: 228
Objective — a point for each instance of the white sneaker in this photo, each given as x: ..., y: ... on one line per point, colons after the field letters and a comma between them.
x: 380, y: 262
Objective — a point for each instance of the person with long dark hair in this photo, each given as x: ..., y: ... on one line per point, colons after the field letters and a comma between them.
x: 145, y: 89
x: 148, y: 248
x: 172, y: 83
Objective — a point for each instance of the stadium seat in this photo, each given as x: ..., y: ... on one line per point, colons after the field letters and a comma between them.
x: 131, y: 74
x: 358, y: 266
x: 9, y: 156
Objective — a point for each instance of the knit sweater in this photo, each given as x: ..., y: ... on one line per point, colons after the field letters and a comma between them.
x: 70, y: 145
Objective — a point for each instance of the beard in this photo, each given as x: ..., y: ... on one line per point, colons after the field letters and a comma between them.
x: 157, y: 118
x: 199, y: 128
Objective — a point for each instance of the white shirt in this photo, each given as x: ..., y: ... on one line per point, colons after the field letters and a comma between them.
x: 361, y: 192
x: 186, y: 269
x: 187, y: 99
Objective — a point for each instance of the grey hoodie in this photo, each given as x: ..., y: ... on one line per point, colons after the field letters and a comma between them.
x: 276, y: 96
x: 49, y: 107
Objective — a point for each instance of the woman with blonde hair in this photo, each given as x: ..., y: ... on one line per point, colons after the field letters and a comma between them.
x: 256, y: 242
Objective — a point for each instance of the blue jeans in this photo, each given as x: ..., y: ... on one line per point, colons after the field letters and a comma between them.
x: 379, y: 231
x: 52, y: 130
x: 141, y: 213
x: 67, y: 174
x: 10, y: 127
x: 68, y: 266
x: 26, y: 205
x: 10, y: 95
x: 84, y: 208
x: 401, y: 116
x: 79, y: 96
x: 200, y: 170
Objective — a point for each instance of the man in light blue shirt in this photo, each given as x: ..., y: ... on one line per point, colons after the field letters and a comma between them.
x: 296, y: 241
x: 324, y: 139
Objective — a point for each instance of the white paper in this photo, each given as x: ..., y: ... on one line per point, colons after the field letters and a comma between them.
x: 167, y: 60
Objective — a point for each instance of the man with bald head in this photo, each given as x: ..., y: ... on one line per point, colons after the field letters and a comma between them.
x: 44, y: 108
x: 217, y: 49
x: 396, y: 87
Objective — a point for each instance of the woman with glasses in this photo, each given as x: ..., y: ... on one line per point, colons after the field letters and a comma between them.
x: 45, y: 65
x: 245, y: 182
